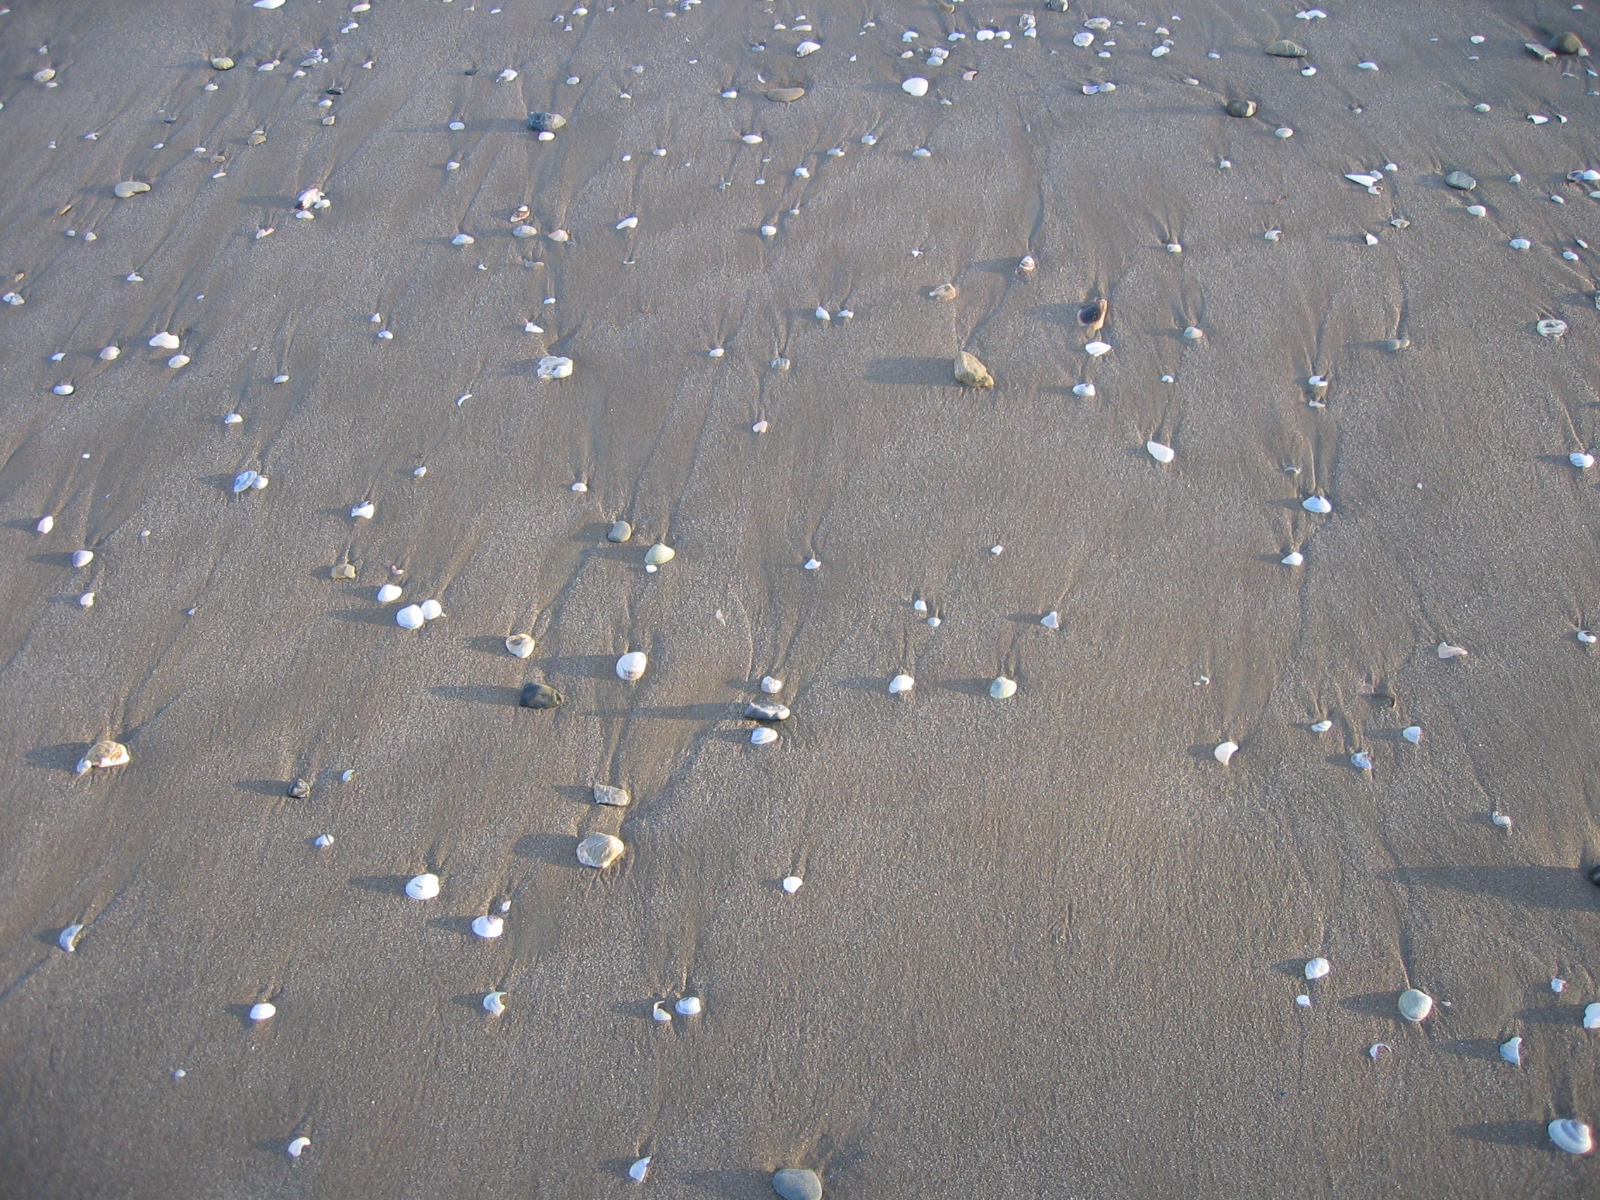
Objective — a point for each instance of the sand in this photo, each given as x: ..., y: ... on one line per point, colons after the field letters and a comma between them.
x: 1046, y: 946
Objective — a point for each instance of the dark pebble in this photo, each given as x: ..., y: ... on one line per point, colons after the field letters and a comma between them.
x: 1566, y: 43
x: 796, y: 1183
x: 1594, y: 876
x: 1461, y: 181
x: 1241, y: 108
x: 766, y: 711
x: 539, y: 695
x: 299, y: 789
x: 543, y: 122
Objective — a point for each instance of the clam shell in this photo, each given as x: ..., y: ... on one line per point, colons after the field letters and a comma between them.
x: 164, y: 341
x: 792, y: 884
x: 763, y: 736
x: 1322, y: 727
x: 432, y: 610
x: 299, y: 1145
x: 364, y: 511
x: 67, y: 939
x: 1511, y: 1051
x: 178, y: 360
x: 1293, y: 559
x: 520, y: 645
x: 658, y: 1014
x: 600, y: 850
x: 82, y: 558
x: 1161, y: 452
x: 689, y: 1006
x: 46, y: 524
x: 901, y: 684
x: 632, y: 665
x: 423, y: 887
x: 659, y: 554
x: 1591, y: 1012
x: 1318, y: 968
x: 1096, y: 349
x: 488, y: 927
x: 1581, y: 460
x: 410, y: 617
x: 494, y: 1003
x: 805, y: 48
x: 388, y: 593
x: 915, y: 86
x: 1415, y: 1005
x: 1572, y: 1136
x: 553, y: 366
x: 639, y: 1169
x: 1225, y: 752
x: 1551, y: 327
x: 1412, y: 733
x: 264, y: 1011
x: 1003, y: 688
x: 1051, y: 620
x: 103, y: 755
x: 1317, y: 504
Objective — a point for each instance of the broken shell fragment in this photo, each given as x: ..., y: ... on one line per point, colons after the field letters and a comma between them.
x: 1224, y: 753
x: 1002, y: 688
x: 553, y: 366
x: 1415, y: 1005
x: 1511, y: 1051
x: 639, y: 1169
x: 423, y: 887
x: 299, y: 1145
x: 901, y: 684
x: 1412, y: 733
x: 763, y: 736
x: 1570, y: 1135
x: 494, y: 1003
x: 632, y: 666
x: 1591, y: 1012
x: 970, y: 372
x: 104, y: 755
x: 344, y: 570
x: 82, y: 558
x: 1159, y: 451
x: 67, y: 939
x: 520, y: 645
x: 1096, y: 349
x: 600, y: 850
x: 164, y: 341
x: 129, y: 188
x: 1447, y: 651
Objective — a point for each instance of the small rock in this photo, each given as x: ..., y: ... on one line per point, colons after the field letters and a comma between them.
x: 553, y: 366
x: 797, y: 1183
x: 539, y: 695
x: 1092, y: 316
x: 600, y: 850
x: 659, y: 554
x: 766, y: 710
x: 763, y: 736
x: 545, y: 122
x: 915, y: 86
x: 945, y: 291
x: 604, y: 793
x: 344, y: 570
x: 222, y: 63
x: 130, y: 187
x: 969, y: 372
x: 1286, y: 49
x: 1241, y: 108
x: 299, y: 789
x: 1461, y: 181
x: 1395, y: 345
x: 1566, y: 43
x: 786, y: 95
x: 619, y: 532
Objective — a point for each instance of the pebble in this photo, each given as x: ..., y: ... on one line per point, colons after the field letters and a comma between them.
x: 423, y: 887
x: 1477, y: 210
x: 104, y: 755
x: 970, y: 372
x: 1571, y: 1135
x: 1415, y: 1005
x: 553, y: 366
x: 521, y: 645
x: 1566, y: 43
x: 164, y: 341
x: 1322, y: 727
x: 1051, y: 620
x: 605, y: 793
x: 763, y: 736
x: 766, y: 710
x: 63, y: 389
x: 1002, y: 688
x: 600, y: 850
x: 784, y: 95
x: 619, y: 532
x: 659, y: 554
x: 110, y: 353
x: 1447, y: 651
x: 546, y: 122
x: 539, y: 696
x: 299, y: 789
x: 129, y: 188
x: 1287, y: 49
x: 797, y: 1183
x: 1241, y: 108
x: 1225, y: 751
x: 222, y: 63
x: 1461, y: 181
x: 488, y: 927
x: 1520, y: 244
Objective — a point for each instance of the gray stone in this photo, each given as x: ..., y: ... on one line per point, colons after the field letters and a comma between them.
x: 797, y: 1183
x: 222, y: 63
x: 604, y: 793
x: 600, y: 850
x: 786, y: 95
x: 970, y: 372
x: 1566, y: 43
x: 545, y: 122
x: 1461, y: 181
x: 766, y: 711
x: 1395, y: 345
x: 299, y: 789
x: 539, y: 695
x: 1286, y: 49
x: 620, y: 532
x: 1241, y: 108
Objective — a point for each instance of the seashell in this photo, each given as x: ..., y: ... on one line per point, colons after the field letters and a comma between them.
x: 1026, y: 265
x: 600, y: 850
x: 164, y: 341
x: 1412, y: 733
x: 1224, y: 752
x: 1083, y: 39
x: 364, y: 511
x: 1558, y: 985
x: 494, y: 1003
x: 299, y: 1145
x: 631, y: 223
x: 659, y: 554
x: 796, y: 1183
x: 1446, y: 650
x: 1581, y: 460
x: 1361, y: 760
x: 524, y: 232
x: 431, y: 610
x: 178, y: 360
x: 1587, y: 638
x: 82, y: 558
x: 1002, y: 688
x: 1161, y: 452
x: 1318, y: 968
x: 1317, y: 504
x: 689, y: 1006
x: 505, y: 76
x: 488, y: 927
x: 47, y: 523
x: 771, y: 686
x: 104, y: 755
x: 423, y: 887
x: 1303, y: 1001
x: 915, y: 86
x: 1096, y: 349
x: 945, y: 291
x: 388, y: 593
x: 463, y: 239
x: 322, y: 840
x: 1051, y: 620
x: 751, y: 139
x: 1364, y: 180
x: 782, y: 95
x: 1083, y: 389
x: 604, y: 793
x: 264, y: 1011
x: 67, y: 939
x: 410, y: 617
x: 639, y: 1169
x: 792, y: 884
x: 1572, y: 1136
x: 632, y: 666
x: 1322, y: 726
x: 763, y: 736
x: 1551, y: 327
x: 1500, y: 820
x: 129, y: 188
x: 539, y: 696
x: 1520, y: 244
x: 805, y: 48
x: 619, y: 532
x: 520, y: 645
x: 1511, y: 1051
x: 1193, y: 334
x: 1591, y: 1012
x: 63, y: 389
x: 86, y: 600
x: 658, y: 1014
x: 766, y: 711
x: 1293, y: 559
x: 553, y: 366
x: 344, y: 570
x: 812, y: 564
x: 1414, y: 1005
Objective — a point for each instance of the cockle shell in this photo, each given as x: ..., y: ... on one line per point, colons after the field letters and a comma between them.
x: 299, y: 1145
x: 1318, y: 968
x: 1415, y: 1005
x: 1320, y: 505
x: 388, y: 593
x: 178, y: 360
x: 792, y: 884
x: 410, y: 617
x: 82, y: 558
x: 901, y: 684
x: 632, y: 666
x: 1003, y: 688
x: 1159, y: 451
x: 103, y: 755
x: 1225, y: 752
x: 494, y: 1003
x: 1572, y: 1136
x: 640, y: 1168
x: 488, y: 927
x: 520, y: 644
x: 658, y: 1014
x: 67, y: 939
x: 600, y: 850
x: 805, y: 48
x: 263, y: 1011
x: 689, y: 1006
x: 423, y: 887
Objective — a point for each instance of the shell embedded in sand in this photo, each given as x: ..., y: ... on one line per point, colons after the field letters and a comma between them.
x: 103, y: 755
x: 520, y: 645
x: 553, y: 366
x: 1003, y: 688
x: 1414, y: 1005
x: 1224, y: 753
x: 1160, y: 451
x: 423, y: 887
x: 689, y: 1006
x: 67, y: 939
x: 488, y: 927
x: 1511, y: 1051
x: 1293, y: 559
x: 659, y: 554
x: 1570, y: 1135
x: 1320, y: 505
x: 632, y: 665
x: 763, y: 736
x: 410, y: 617
x: 299, y: 1145
x: 639, y: 1169
x: 600, y: 850
x: 494, y: 1003
x: 264, y: 1011
x: 388, y: 593
x: 1318, y: 968
x: 901, y: 684
x: 1446, y: 650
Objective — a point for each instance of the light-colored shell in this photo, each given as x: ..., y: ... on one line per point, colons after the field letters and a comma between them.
x: 1415, y: 1005
x: 1572, y: 1136
x: 1293, y: 559
x: 488, y: 927
x: 494, y: 1003
x: 632, y: 666
x: 178, y: 360
x: 770, y: 685
x: 1581, y: 460
x: 915, y: 86
x: 299, y: 1145
x: 264, y: 1011
x: 689, y: 1006
x: 129, y: 188
x: 520, y: 645
x: 553, y: 366
x: 410, y: 617
x: 604, y: 793
x: 1591, y: 1013
x: 600, y: 850
x: 763, y: 736
x: 1322, y: 726
x: 68, y: 940
x: 805, y: 48
x: 432, y: 610
x: 364, y: 511
x: 901, y: 684
x: 658, y: 554
x: 1446, y: 650
x: 1511, y: 1051
x: 47, y: 523
x: 1551, y: 327
x: 658, y: 1014
x: 1224, y: 753
x: 1160, y: 451
x: 1412, y: 733
x: 104, y: 755
x: 1002, y: 688
x: 640, y: 1168
x: 792, y: 884
x: 1096, y: 349
x: 1320, y: 505
x: 164, y: 341
x: 1051, y: 620
x: 423, y: 887
x: 1318, y: 968
x: 388, y: 592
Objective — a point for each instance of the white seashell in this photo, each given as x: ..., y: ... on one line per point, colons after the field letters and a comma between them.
x: 1364, y: 180
x: 432, y: 610
x: 1193, y: 334
x: 1412, y: 733
x: 300, y: 1144
x: 264, y: 1011
x: 164, y: 341
x: 768, y: 231
x: 269, y: 4
x: 388, y: 593
x: 632, y: 665
x: 1283, y: 131
x: 1083, y: 389
x: 423, y: 887
x: 463, y: 239
x: 1446, y: 650
x: 524, y: 231
x: 1361, y: 760
x: 1415, y: 1005
x: 1376, y: 1049
x: 751, y: 139
x: 1096, y: 349
x: 232, y: 419
x: 1082, y: 39
x: 1303, y: 1001
x: 1511, y: 1051
x: 792, y: 884
x: 1551, y: 327
x: 505, y: 76
x: 553, y: 366
x: 244, y: 481
x: 68, y: 941
x: 915, y: 86
x: 63, y: 389
x: 494, y: 1003
x: 640, y: 1168
x: 86, y: 600
x: 1591, y: 1012
x: 1317, y: 504
x: 658, y: 1014
x: 1161, y: 452
x: 1293, y: 559
x: 628, y: 223
x: 1366, y: 66
x: 659, y: 554
x: 46, y: 524
x: 1051, y: 620
x: 1477, y: 210
x: 1520, y: 244
x: 901, y: 684
x: 1587, y: 638
x: 364, y: 511
x: 1224, y: 753
x: 1322, y: 727
x: 1558, y: 985
x: 771, y: 686
x: 178, y: 360
x: 689, y: 1006
x: 1572, y: 1136
x: 805, y: 48
x: 811, y: 564
x: 488, y: 927
x: 1581, y: 460
x: 520, y: 644
x: 410, y: 617
x: 82, y: 558
x: 763, y: 736
x: 1002, y: 688
x: 322, y: 840
x: 1318, y: 968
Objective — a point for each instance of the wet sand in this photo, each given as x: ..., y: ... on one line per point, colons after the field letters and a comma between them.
x: 1045, y: 946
